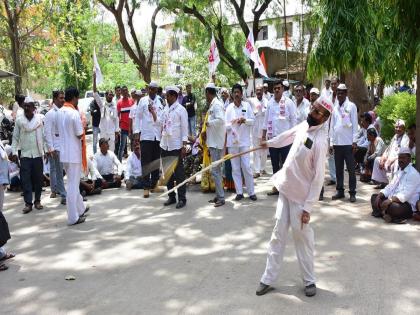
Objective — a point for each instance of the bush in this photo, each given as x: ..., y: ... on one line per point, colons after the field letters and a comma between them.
x: 393, y: 107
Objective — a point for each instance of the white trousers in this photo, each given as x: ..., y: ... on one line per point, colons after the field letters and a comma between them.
x: 383, y: 176
x: 75, y: 206
x: 259, y: 157
x: 111, y: 142
x: 242, y: 163
x: 289, y: 213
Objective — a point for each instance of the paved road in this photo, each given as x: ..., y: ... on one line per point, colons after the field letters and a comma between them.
x: 134, y: 256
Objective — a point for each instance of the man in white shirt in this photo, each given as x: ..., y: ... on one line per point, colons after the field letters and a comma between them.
x: 133, y: 170
x: 299, y: 183
x: 343, y: 134
x: 90, y: 180
x: 279, y: 117
x: 28, y: 136
x: 362, y: 141
x: 71, y: 132
x: 109, y: 123
x: 259, y: 106
x: 174, y: 122
x: 138, y: 95
x: 385, y: 166
x: 106, y: 161
x: 225, y: 97
x: 148, y: 126
x: 397, y: 201
x: 302, y: 104
x: 52, y: 138
x: 215, y: 140
x: 267, y: 94
x: 239, y: 121
x: 327, y: 91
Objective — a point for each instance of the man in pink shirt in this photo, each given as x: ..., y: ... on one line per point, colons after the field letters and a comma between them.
x: 299, y: 183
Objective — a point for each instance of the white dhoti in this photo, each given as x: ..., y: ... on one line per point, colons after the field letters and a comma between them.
x: 242, y: 163
x: 259, y: 157
x: 383, y: 175
x: 111, y: 137
x: 289, y: 213
x: 75, y: 206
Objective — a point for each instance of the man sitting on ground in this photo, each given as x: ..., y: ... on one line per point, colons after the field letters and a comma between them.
x: 90, y: 181
x: 106, y: 161
x: 362, y: 141
x: 133, y: 169
x: 397, y: 201
x: 387, y: 164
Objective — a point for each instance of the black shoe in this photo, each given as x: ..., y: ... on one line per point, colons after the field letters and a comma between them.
x: 376, y: 214
x: 321, y: 197
x: 181, y: 204
x: 81, y: 220
x: 219, y: 203
x: 263, y: 289
x: 310, y: 290
x: 330, y: 183
x: 63, y: 201
x: 352, y: 198
x: 338, y: 195
x: 253, y: 197
x: 84, y: 199
x: 214, y: 200
x: 170, y: 201
x: 84, y: 214
x: 239, y: 197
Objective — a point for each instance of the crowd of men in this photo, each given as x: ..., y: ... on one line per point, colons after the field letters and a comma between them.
x: 159, y: 124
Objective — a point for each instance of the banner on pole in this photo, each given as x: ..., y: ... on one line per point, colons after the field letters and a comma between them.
x: 252, y: 53
x: 97, y: 69
x: 214, y: 58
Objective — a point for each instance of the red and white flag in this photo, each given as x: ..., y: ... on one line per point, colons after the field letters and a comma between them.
x: 214, y: 58
x: 252, y: 53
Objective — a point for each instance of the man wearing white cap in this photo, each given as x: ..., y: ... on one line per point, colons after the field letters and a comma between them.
x: 302, y: 104
x: 299, y: 183
x: 225, y: 97
x: 215, y: 139
x: 343, y: 138
x: 174, y: 122
x: 313, y: 95
x: 259, y: 105
x: 286, y: 89
x: 326, y: 91
x: 267, y: 94
x: 397, y: 201
x: 385, y: 166
x: 239, y: 120
x: 279, y: 117
x: 109, y: 123
x: 147, y: 124
x: 29, y: 135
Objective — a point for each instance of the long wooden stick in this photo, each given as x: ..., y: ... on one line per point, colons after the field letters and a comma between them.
x: 213, y: 164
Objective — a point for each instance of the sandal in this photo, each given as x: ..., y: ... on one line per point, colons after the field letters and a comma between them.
x: 3, y: 267
x: 8, y: 256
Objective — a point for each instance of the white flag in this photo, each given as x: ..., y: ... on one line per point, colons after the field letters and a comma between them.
x: 252, y: 53
x: 214, y: 58
x: 97, y: 69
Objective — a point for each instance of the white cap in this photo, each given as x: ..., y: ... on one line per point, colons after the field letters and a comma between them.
x: 265, y: 85
x: 153, y: 84
x: 314, y: 90
x: 399, y: 122
x: 285, y: 83
x: 222, y: 90
x: 404, y: 150
x: 172, y: 88
x: 259, y: 87
x: 29, y: 99
x: 342, y: 86
x: 133, y: 90
x: 210, y: 85
x: 139, y: 92
x: 326, y: 103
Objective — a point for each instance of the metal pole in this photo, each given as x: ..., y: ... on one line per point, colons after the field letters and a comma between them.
x: 285, y: 38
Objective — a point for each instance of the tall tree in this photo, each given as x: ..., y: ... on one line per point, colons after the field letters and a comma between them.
x: 124, y: 10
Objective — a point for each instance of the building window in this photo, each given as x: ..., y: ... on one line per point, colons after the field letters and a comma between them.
x: 263, y: 33
x: 280, y: 29
x: 174, y: 43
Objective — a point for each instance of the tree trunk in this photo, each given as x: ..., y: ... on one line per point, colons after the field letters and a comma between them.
x: 357, y: 90
x: 381, y: 87
x: 13, y: 35
x: 418, y: 119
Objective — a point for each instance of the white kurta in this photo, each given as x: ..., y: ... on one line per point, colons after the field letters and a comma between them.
x: 303, y: 168
x: 148, y: 128
x: 302, y: 110
x: 259, y: 156
x: 174, y: 122
x: 70, y: 128
x: 344, y: 124
x: 109, y: 123
x: 279, y: 117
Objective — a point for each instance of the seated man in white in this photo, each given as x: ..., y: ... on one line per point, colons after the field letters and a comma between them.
x: 397, y: 201
x: 108, y: 166
x: 386, y: 166
x: 133, y: 171
x: 90, y: 181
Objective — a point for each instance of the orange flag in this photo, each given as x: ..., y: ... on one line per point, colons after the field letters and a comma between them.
x: 262, y: 57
